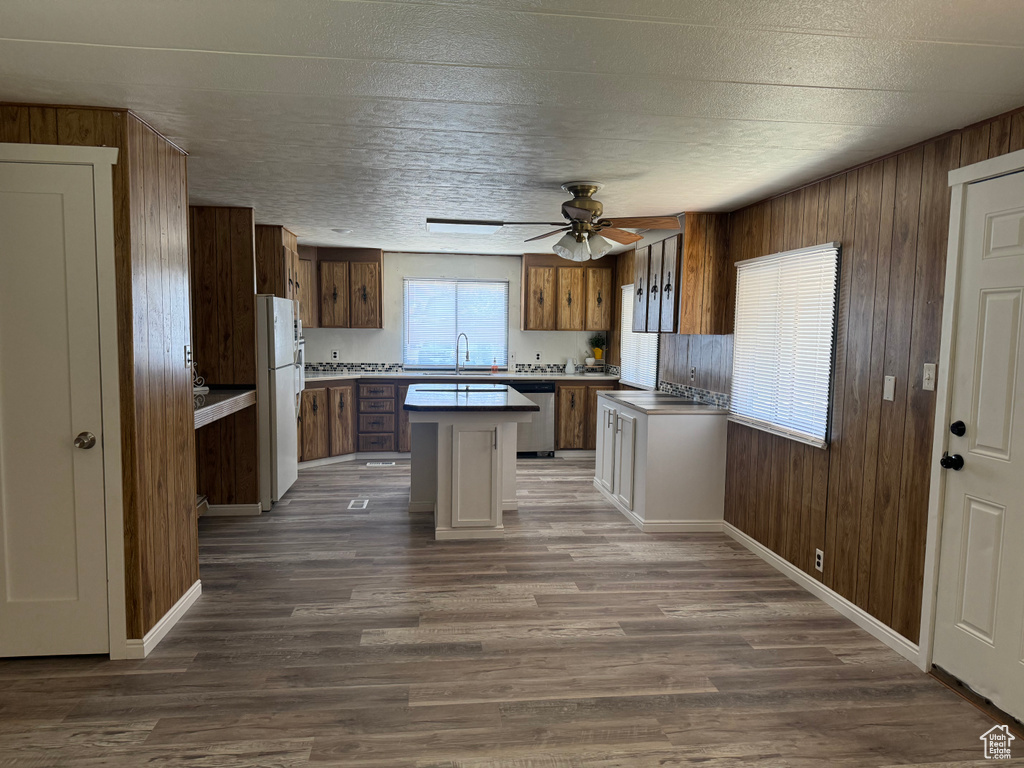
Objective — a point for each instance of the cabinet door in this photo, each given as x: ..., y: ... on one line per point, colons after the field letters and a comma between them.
x: 571, y: 298
x: 293, y: 260
x: 342, y: 410
x: 571, y: 417
x: 641, y: 262
x: 654, y: 293
x: 307, y: 293
x: 604, y: 467
x: 593, y: 425
x: 365, y: 299
x: 540, y: 299
x: 599, y: 299
x: 314, y: 424
x: 476, y: 477
x: 404, y: 431
x: 334, y: 294
x: 669, y: 284
x: 625, y: 449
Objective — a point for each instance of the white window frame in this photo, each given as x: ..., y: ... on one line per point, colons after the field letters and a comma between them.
x: 626, y: 341
x: 502, y: 366
x: 779, y: 384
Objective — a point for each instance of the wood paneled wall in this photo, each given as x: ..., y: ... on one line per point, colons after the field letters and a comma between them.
x: 223, y: 252
x: 154, y: 325
x: 864, y: 499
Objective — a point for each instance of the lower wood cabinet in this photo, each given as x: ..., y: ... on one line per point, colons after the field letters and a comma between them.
x: 342, y: 401
x: 315, y: 417
x: 592, y: 425
x: 570, y: 416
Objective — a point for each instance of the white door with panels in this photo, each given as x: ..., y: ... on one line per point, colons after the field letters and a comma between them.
x: 53, y: 564
x: 979, y: 614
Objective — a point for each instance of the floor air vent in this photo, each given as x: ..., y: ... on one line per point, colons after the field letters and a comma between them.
x: 380, y: 463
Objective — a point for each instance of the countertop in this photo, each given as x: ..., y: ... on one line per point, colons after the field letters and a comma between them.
x: 463, y: 377
x: 662, y: 403
x: 466, y: 397
x: 218, y: 403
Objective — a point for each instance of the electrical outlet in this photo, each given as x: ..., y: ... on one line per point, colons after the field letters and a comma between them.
x: 335, y: 354
x: 889, y: 388
x: 693, y: 374
x: 819, y: 560
x: 537, y: 356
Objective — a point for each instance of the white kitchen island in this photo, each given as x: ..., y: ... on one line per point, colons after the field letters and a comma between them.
x: 463, y: 441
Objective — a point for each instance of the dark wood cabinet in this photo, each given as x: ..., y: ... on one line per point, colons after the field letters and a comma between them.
x: 599, y: 301
x: 705, y: 276
x: 404, y: 430
x: 334, y: 294
x: 342, y: 411
x: 307, y: 292
x: 571, y: 298
x: 365, y: 294
x: 570, y: 416
x: 277, y: 261
x: 315, y: 416
x: 641, y: 263
x: 540, y: 301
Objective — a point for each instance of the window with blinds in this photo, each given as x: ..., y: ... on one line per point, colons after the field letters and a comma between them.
x: 437, y: 311
x: 784, y: 337
x: 638, y: 352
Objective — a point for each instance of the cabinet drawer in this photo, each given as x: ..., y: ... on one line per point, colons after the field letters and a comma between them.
x: 376, y: 406
x: 376, y: 390
x: 377, y: 442
x: 376, y: 422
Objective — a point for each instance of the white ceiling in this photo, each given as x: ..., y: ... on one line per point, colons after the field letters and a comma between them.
x: 373, y: 115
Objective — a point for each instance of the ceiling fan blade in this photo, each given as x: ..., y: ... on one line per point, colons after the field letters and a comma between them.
x: 573, y: 212
x: 620, y: 235
x: 645, y: 222
x: 548, y: 234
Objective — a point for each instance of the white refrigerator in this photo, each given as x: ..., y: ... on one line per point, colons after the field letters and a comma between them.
x: 279, y: 385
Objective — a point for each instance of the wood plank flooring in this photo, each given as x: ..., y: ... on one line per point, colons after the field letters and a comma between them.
x: 330, y: 637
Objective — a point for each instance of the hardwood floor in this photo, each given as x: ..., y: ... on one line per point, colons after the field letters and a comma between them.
x: 335, y: 637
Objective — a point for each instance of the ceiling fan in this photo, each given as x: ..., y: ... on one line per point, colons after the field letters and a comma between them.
x: 586, y: 233
x: 587, y: 230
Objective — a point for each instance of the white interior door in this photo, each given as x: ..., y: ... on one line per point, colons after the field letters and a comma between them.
x: 979, y: 620
x: 53, y: 568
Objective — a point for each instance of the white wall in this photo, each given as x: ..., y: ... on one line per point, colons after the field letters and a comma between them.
x: 385, y: 345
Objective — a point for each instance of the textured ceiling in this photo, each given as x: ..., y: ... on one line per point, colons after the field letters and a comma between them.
x: 372, y: 116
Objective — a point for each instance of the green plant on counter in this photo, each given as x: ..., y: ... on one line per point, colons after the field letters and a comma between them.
x: 596, y: 341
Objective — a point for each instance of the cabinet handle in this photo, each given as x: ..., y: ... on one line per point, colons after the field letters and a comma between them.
x: 364, y: 294
x: 568, y: 298
x: 334, y: 296
x: 572, y: 399
x: 668, y: 284
x: 314, y: 404
x: 640, y: 290
x: 540, y: 299
x: 599, y: 299
x: 654, y: 289
x: 341, y: 406
x: 297, y: 286
x: 495, y: 438
x: 618, y: 423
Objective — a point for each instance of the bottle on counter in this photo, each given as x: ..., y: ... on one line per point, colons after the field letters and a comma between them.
x: 494, y: 365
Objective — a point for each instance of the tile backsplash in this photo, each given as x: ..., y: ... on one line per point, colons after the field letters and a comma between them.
x: 520, y: 368
x: 721, y: 399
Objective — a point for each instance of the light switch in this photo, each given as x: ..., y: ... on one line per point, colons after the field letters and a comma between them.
x: 928, y: 383
x: 889, y: 388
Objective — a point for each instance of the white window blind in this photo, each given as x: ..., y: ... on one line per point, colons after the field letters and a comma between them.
x: 638, y: 352
x: 437, y: 311
x: 782, y: 350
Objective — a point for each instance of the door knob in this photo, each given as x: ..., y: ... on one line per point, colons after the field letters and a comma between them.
x: 85, y: 440
x: 958, y: 428
x: 954, y: 462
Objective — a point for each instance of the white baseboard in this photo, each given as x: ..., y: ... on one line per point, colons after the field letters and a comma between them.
x: 455, y: 534
x: 234, y: 510
x: 368, y: 456
x: 140, y: 649
x: 661, y: 526
x: 575, y: 454
x: 854, y: 613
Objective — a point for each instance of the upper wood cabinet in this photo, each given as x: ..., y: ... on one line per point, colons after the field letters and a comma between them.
x: 539, y: 299
x: 277, y: 261
x: 655, y: 287
x: 307, y: 293
x: 365, y: 294
x: 334, y: 294
x: 704, y: 280
x: 571, y: 298
x: 599, y: 299
x: 563, y: 296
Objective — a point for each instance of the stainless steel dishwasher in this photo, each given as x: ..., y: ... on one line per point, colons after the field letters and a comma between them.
x: 538, y: 434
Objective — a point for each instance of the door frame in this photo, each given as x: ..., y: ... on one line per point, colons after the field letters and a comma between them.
x: 958, y: 181
x: 102, y: 160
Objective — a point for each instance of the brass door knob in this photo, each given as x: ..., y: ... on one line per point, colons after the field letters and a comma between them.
x: 85, y: 440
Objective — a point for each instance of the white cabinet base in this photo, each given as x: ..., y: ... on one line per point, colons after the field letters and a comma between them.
x: 661, y: 526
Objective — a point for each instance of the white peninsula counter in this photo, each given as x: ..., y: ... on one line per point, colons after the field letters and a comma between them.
x: 463, y: 441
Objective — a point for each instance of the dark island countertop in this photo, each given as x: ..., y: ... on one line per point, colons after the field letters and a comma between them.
x: 466, y: 397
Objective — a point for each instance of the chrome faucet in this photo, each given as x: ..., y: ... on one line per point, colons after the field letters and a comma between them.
x: 457, y: 340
